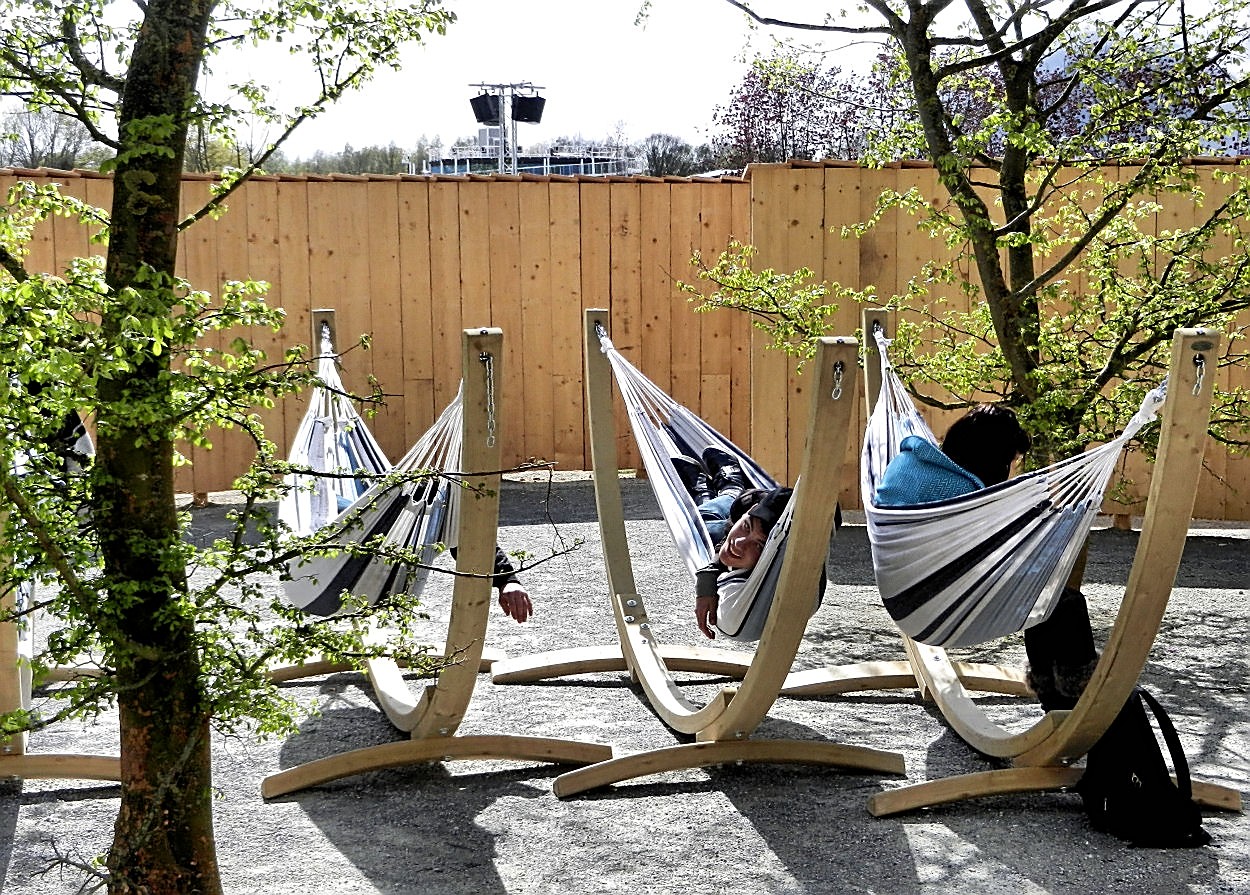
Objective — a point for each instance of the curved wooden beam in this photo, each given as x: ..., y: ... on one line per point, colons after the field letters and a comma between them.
x: 432, y: 749
x: 701, y: 755
x: 1007, y: 781
x: 432, y: 715
x: 609, y: 657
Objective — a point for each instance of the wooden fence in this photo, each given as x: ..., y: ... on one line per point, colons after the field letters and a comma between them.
x: 414, y: 260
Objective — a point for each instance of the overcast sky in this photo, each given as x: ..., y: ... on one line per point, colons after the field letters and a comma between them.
x: 598, y: 70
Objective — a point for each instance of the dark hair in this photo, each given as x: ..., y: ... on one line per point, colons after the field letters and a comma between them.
x: 985, y: 441
x: 766, y: 505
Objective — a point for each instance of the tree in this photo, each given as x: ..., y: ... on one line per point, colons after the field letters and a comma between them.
x: 1021, y: 109
x: 789, y: 106
x: 664, y: 154
x: 42, y: 139
x: 121, y: 337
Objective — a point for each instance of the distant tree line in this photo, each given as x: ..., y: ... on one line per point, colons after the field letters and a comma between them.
x: 787, y: 106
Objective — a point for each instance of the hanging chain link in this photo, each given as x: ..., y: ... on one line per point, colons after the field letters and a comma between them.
x: 1200, y: 364
x: 838, y: 369
x: 488, y: 360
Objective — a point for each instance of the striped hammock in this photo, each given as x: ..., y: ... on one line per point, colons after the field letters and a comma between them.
x: 79, y: 451
x: 983, y: 565
x: 413, y: 515
x: 332, y: 439
x: 665, y: 429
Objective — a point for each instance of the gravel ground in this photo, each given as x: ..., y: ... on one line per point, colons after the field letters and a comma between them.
x: 481, y: 828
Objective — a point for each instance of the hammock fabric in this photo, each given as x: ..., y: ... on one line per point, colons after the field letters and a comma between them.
x: 77, y: 450
x: 990, y: 563
x: 332, y: 439
x: 411, y: 515
x: 664, y: 429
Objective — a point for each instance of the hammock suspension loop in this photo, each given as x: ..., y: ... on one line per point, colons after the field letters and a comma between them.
x: 488, y: 360
x: 838, y: 369
x: 1200, y: 365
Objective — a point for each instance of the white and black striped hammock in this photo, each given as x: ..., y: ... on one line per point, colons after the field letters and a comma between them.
x: 404, y: 512
x: 333, y: 441
x: 664, y: 429
x: 978, y: 567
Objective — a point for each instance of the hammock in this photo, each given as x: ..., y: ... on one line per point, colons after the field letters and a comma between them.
x: 332, y: 439
x: 77, y: 450
x: 664, y: 429
x: 408, y: 515
x: 983, y: 565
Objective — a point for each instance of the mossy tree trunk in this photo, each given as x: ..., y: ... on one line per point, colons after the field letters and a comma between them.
x: 163, y: 836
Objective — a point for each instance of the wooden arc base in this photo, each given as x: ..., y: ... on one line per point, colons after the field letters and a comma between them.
x: 33, y: 766
x: 432, y: 749
x: 1006, y: 781
x: 701, y: 755
x: 826, y: 681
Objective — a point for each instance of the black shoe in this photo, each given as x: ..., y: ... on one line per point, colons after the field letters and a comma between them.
x: 694, y: 477
x: 714, y: 458
x: 727, y: 477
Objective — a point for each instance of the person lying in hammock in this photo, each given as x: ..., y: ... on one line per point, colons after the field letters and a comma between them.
x: 737, y: 518
x: 978, y: 452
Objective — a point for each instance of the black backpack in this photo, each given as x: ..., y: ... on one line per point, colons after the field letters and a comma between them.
x: 1127, y: 789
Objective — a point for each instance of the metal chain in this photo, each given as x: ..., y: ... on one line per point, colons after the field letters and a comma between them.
x: 1200, y: 364
x: 488, y: 360
x: 838, y: 369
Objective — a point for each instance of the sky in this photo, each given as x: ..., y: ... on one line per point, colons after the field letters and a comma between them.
x: 600, y: 73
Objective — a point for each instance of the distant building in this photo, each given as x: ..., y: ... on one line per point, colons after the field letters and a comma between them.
x: 581, y: 157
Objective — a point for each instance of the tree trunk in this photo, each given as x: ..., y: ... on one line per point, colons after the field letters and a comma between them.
x: 163, y: 838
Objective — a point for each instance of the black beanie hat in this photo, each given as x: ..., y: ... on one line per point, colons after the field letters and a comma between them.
x: 768, y: 508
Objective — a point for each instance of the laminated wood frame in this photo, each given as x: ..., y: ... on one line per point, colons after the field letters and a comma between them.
x: 722, y: 726
x: 1043, y: 753
x: 15, y: 694
x: 432, y: 717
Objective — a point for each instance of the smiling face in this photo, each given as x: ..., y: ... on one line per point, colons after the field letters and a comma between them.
x: 744, y: 543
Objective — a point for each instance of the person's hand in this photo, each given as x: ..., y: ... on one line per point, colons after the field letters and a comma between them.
x: 705, y: 614
x: 514, y: 600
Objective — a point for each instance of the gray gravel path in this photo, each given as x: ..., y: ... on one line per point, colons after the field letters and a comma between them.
x: 489, y: 828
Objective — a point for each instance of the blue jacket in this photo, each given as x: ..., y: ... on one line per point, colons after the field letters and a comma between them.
x: 921, y: 473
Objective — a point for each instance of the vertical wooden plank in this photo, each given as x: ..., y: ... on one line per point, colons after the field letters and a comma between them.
x: 475, y: 250
x: 504, y: 253
x: 843, y: 186
x: 41, y: 254
x: 69, y: 239
x: 292, y: 290
x: 338, y: 253
x: 1223, y: 480
x: 263, y: 264
x: 770, y: 224
x: 715, y: 329
x: 416, y: 308
x: 233, y: 450
x: 789, y: 216
x: 660, y: 239
x: 381, y: 200
x: 627, y: 332
x: 596, y: 261
x: 198, y: 249
x: 806, y: 236
x: 568, y: 397
x: 535, y: 343
x: 740, y: 387
x: 445, y: 289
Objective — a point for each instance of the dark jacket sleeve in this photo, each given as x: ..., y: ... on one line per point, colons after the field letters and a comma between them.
x: 504, y: 572
x: 705, y: 579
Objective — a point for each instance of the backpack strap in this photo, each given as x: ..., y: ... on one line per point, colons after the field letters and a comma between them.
x: 1179, y: 762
